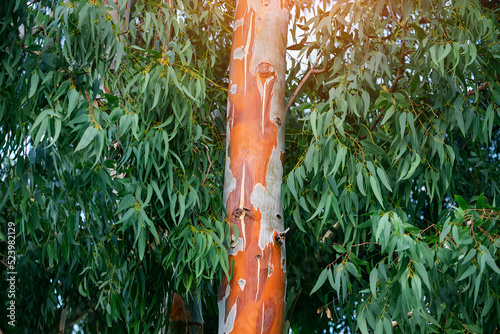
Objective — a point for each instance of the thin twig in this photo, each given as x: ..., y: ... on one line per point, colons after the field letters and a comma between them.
x: 425, y: 229
x: 483, y: 86
x: 311, y: 71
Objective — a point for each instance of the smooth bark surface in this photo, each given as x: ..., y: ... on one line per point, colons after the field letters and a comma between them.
x: 253, y: 300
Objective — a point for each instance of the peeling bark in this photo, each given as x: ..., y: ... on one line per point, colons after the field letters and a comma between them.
x: 253, y: 300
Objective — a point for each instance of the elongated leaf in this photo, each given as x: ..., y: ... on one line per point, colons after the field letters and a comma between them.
x: 142, y: 243
x: 321, y: 280
x: 491, y: 262
x: 373, y: 281
x: 360, y: 182
x: 73, y: 97
x: 376, y: 190
x: 126, y: 202
x: 87, y: 137
x: 383, y: 177
x: 34, y: 85
x: 157, y: 191
x: 423, y: 274
x: 461, y: 202
x: 468, y: 272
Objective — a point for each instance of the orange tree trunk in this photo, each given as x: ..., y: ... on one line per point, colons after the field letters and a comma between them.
x: 252, y: 301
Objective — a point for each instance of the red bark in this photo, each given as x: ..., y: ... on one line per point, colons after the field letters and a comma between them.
x: 253, y: 300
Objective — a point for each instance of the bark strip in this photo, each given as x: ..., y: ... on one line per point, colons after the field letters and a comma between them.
x: 253, y: 300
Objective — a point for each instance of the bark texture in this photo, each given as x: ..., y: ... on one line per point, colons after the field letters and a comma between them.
x: 253, y: 300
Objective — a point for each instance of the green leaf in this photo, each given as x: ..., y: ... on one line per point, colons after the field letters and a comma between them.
x: 87, y: 137
x: 150, y: 224
x: 468, y: 272
x: 126, y: 202
x: 130, y: 212
x: 445, y: 231
x: 423, y: 274
x: 339, y: 158
x: 352, y: 269
x: 339, y: 248
x: 388, y: 113
x: 461, y: 202
x: 321, y: 280
x: 472, y: 53
x: 416, y: 287
x: 469, y: 256
x: 119, y: 55
x: 373, y: 281
x: 320, y: 207
x: 383, y: 177
x: 291, y: 185
x: 12, y: 190
x: 40, y: 118
x: 157, y: 191
x: 73, y: 97
x: 182, y: 206
x: 376, y: 190
x: 362, y: 321
x: 80, y: 289
x: 41, y: 131
x: 57, y: 130
x: 402, y: 124
x: 381, y: 225
x: 312, y: 119
x: 34, y: 85
x: 298, y: 220
x: 360, y: 182
x: 330, y: 277
x: 336, y: 209
x: 489, y: 260
x: 414, y: 165
x: 142, y: 243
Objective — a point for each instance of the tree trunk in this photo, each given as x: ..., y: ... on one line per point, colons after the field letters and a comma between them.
x: 252, y: 301
x: 186, y: 319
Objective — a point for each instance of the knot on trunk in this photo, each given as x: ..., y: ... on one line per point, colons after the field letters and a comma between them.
x: 241, y: 212
x: 265, y: 70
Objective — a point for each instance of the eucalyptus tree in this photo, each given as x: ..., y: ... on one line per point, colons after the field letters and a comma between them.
x: 114, y: 155
x: 253, y: 299
x: 392, y: 166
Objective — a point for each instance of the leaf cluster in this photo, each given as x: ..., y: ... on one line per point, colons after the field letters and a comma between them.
x: 404, y: 116
x: 112, y: 159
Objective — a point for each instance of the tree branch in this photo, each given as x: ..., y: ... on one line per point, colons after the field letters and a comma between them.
x: 64, y: 314
x: 75, y: 317
x: 68, y: 318
x: 483, y: 86
x: 306, y: 77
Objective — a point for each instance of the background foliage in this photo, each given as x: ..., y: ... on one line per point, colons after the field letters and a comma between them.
x: 113, y: 160
x: 394, y: 139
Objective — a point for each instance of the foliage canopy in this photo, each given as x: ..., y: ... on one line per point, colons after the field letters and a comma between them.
x: 113, y: 147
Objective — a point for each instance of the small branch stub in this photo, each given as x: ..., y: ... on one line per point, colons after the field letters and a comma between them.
x: 241, y: 212
x: 278, y: 237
